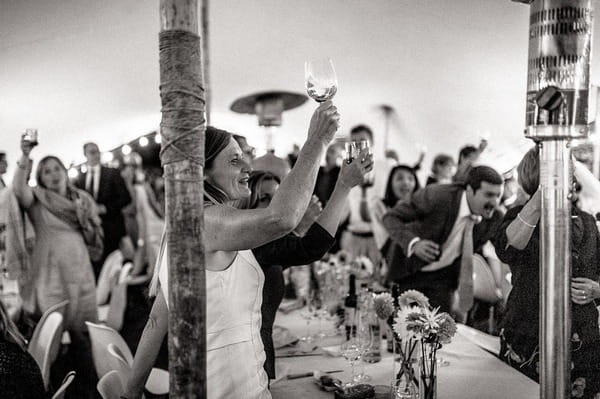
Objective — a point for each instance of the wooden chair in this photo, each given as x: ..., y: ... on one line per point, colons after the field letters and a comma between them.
x: 111, y: 385
x: 44, y: 348
x: 59, y: 307
x: 60, y: 393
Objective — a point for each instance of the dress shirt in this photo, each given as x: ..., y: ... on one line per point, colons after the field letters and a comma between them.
x: 381, y: 170
x: 93, y: 171
x: 451, y: 248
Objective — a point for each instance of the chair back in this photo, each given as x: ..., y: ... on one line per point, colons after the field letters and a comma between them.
x: 484, y: 285
x: 59, y: 307
x: 118, y: 299
x: 117, y: 361
x: 109, y: 275
x: 111, y: 385
x: 101, y: 336
x: 44, y: 349
x: 60, y: 393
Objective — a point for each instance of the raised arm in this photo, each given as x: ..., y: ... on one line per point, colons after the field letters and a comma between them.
x: 230, y: 229
x: 22, y: 190
x: 293, y: 250
x: 350, y: 176
x: 147, y: 351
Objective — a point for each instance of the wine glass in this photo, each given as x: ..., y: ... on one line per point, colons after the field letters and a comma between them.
x: 320, y: 78
x: 350, y: 349
x: 365, y: 337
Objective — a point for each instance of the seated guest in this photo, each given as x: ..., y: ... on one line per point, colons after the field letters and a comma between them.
x: 401, y: 184
x: 517, y: 243
x: 442, y: 170
x: 439, y: 229
x: 20, y: 376
x: 68, y: 233
x: 235, y: 360
x: 293, y: 250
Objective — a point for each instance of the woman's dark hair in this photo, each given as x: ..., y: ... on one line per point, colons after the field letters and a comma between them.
x: 390, y: 198
x: 529, y: 171
x: 43, y: 161
x: 215, y: 141
x: 257, y: 177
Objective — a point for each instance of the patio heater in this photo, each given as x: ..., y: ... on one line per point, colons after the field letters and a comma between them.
x: 560, y: 34
x: 269, y: 107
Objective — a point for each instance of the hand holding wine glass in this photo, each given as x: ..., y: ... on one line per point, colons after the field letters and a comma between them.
x: 320, y: 78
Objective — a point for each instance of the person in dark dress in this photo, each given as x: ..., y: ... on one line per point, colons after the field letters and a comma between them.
x: 517, y: 244
x: 20, y: 376
x: 292, y: 250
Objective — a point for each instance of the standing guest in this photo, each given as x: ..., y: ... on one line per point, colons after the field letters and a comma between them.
x: 109, y: 191
x: 293, y: 250
x: 20, y: 376
x: 442, y: 170
x: 468, y: 157
x: 68, y: 234
x: 438, y: 232
x: 328, y: 174
x: 3, y: 166
x: 234, y: 281
x: 401, y: 184
x: 132, y: 163
x: 358, y: 239
x: 517, y: 243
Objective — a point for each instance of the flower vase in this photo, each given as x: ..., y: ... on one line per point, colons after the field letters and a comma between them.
x: 428, y: 372
x: 405, y: 386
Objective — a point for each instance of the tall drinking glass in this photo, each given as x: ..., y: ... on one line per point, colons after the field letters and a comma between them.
x: 320, y: 78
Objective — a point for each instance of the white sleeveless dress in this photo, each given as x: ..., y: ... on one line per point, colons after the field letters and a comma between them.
x: 235, y: 353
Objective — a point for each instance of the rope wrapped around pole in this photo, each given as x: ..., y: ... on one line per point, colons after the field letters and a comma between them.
x: 182, y: 156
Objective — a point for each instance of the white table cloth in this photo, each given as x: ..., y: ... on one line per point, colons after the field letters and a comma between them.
x: 472, y: 373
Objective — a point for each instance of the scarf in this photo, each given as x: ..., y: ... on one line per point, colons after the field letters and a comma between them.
x: 19, y: 237
x: 79, y: 211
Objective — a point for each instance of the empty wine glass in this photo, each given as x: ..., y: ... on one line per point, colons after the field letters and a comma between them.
x: 365, y: 337
x: 320, y: 78
x: 350, y: 349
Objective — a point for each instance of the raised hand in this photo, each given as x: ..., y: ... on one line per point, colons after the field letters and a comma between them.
x: 324, y: 122
x: 354, y: 173
x: 26, y: 146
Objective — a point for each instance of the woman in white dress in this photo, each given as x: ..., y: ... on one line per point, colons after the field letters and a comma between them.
x: 234, y: 280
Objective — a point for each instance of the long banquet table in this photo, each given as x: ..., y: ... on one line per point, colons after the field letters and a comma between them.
x: 472, y: 373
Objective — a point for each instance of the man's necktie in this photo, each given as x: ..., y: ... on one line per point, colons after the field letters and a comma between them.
x: 465, y: 284
x: 90, y: 189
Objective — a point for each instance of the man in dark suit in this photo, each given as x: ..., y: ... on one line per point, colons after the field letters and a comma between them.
x: 439, y: 225
x: 110, y: 192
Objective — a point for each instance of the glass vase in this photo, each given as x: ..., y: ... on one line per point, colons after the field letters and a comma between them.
x: 428, y: 371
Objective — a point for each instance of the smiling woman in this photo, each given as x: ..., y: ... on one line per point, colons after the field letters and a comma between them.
x: 234, y: 280
x: 68, y: 233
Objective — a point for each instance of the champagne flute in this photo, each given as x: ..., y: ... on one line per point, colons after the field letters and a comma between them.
x: 351, y: 352
x: 364, y: 336
x: 320, y: 78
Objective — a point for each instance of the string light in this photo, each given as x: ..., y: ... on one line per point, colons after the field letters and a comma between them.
x: 126, y: 149
x: 143, y: 141
x: 73, y: 173
x: 83, y: 168
x: 107, y: 157
x: 157, y: 138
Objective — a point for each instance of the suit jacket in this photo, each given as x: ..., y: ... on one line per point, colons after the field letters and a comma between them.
x: 431, y: 214
x: 113, y: 194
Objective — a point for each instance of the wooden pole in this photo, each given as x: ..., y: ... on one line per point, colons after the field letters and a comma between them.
x: 182, y: 130
x: 206, y: 57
